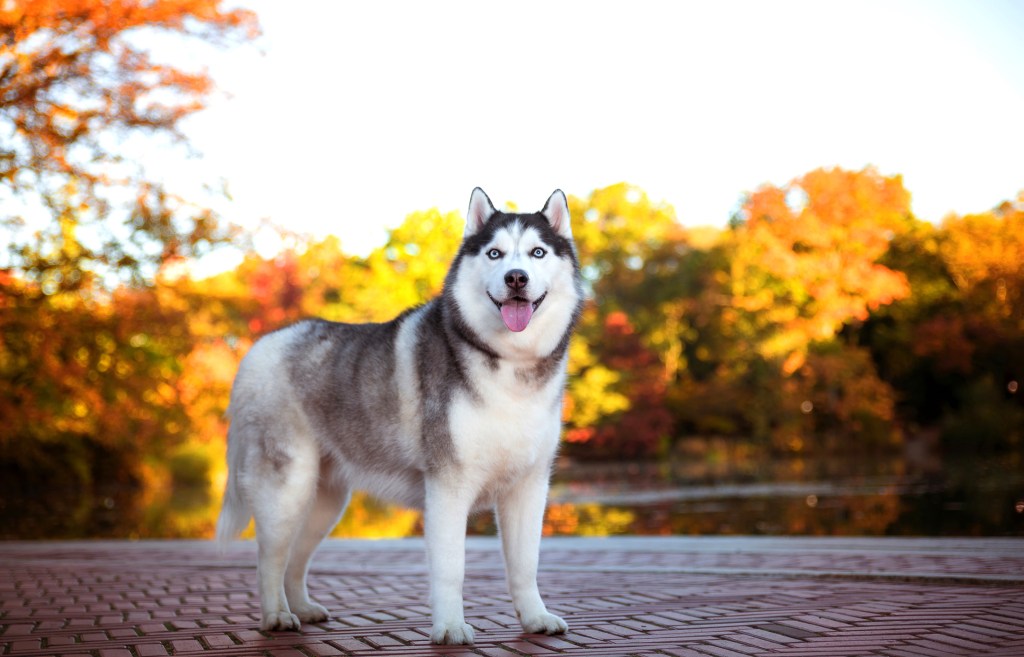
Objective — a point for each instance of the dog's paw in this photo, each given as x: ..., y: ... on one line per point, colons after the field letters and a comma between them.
x: 544, y: 623
x: 280, y: 621
x: 452, y: 634
x: 310, y: 612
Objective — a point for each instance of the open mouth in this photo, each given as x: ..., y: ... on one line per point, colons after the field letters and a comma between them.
x: 516, y: 312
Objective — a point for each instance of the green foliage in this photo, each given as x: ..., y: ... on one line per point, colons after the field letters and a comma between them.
x: 190, y: 465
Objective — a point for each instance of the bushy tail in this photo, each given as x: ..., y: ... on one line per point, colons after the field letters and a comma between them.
x: 234, y: 511
x: 234, y: 515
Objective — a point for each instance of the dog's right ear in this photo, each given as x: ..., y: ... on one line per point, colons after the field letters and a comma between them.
x: 480, y: 210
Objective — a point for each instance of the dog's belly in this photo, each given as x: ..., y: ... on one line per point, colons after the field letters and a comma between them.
x: 400, y: 484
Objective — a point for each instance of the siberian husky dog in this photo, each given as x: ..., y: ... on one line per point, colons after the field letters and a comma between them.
x: 452, y: 407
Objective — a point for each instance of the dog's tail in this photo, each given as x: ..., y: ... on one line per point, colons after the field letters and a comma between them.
x: 234, y: 511
x: 234, y: 516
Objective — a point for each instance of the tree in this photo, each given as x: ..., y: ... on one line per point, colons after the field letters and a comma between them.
x: 807, y: 256
x: 76, y: 84
x: 985, y: 256
x: 617, y: 229
x: 628, y: 348
x: 954, y: 349
x: 89, y: 365
x: 804, y: 261
x: 969, y: 344
x: 88, y: 391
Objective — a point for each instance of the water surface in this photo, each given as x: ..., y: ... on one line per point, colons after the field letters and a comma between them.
x: 863, y: 496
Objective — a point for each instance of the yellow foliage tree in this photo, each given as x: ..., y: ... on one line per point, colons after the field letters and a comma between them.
x: 805, y: 258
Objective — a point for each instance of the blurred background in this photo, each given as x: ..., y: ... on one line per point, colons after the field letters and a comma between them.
x: 801, y: 228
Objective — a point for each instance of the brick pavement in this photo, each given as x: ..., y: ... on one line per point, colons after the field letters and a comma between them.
x: 719, y: 597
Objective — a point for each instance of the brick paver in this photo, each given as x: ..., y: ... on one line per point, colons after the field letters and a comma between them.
x: 727, y: 597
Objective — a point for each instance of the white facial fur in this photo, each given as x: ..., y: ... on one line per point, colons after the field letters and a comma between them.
x: 480, y: 278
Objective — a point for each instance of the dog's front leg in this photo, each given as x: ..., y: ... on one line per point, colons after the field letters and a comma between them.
x: 520, y: 521
x: 444, y: 524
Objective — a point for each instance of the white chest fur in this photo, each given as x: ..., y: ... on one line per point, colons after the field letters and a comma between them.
x: 507, y: 426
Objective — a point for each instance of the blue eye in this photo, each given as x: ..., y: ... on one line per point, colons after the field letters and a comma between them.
x: 494, y: 254
x: 539, y: 253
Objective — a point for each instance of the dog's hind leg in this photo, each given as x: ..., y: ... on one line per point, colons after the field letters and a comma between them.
x: 331, y: 499
x: 282, y: 500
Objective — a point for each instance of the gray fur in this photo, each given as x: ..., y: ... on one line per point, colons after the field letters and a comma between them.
x: 321, y: 408
x: 547, y: 367
x: 336, y: 372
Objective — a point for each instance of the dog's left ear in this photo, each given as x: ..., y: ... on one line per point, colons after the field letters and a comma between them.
x: 557, y: 212
x: 480, y: 210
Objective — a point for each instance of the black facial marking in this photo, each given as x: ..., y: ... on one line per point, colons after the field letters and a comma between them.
x: 561, y: 246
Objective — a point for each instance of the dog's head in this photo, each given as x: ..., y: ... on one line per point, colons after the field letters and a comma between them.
x: 516, y: 277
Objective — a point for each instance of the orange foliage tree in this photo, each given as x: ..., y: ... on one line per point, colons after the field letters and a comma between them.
x: 737, y: 333
x: 806, y: 257
x: 90, y: 353
x: 75, y: 80
x: 805, y: 261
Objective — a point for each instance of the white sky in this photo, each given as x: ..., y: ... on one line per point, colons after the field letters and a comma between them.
x: 350, y: 115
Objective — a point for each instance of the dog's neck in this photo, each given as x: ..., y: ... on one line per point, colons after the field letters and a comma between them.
x: 457, y: 330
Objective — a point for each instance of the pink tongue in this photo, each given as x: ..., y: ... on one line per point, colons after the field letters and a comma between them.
x: 516, y: 314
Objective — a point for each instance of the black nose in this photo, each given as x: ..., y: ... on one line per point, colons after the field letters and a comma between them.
x: 516, y: 279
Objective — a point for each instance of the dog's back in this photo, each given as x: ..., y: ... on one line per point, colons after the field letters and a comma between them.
x: 326, y: 391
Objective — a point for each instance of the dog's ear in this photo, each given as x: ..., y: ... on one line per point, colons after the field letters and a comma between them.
x: 480, y: 210
x: 557, y: 212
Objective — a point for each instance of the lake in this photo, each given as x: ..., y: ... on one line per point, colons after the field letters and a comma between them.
x: 865, y: 496
x: 710, y: 495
